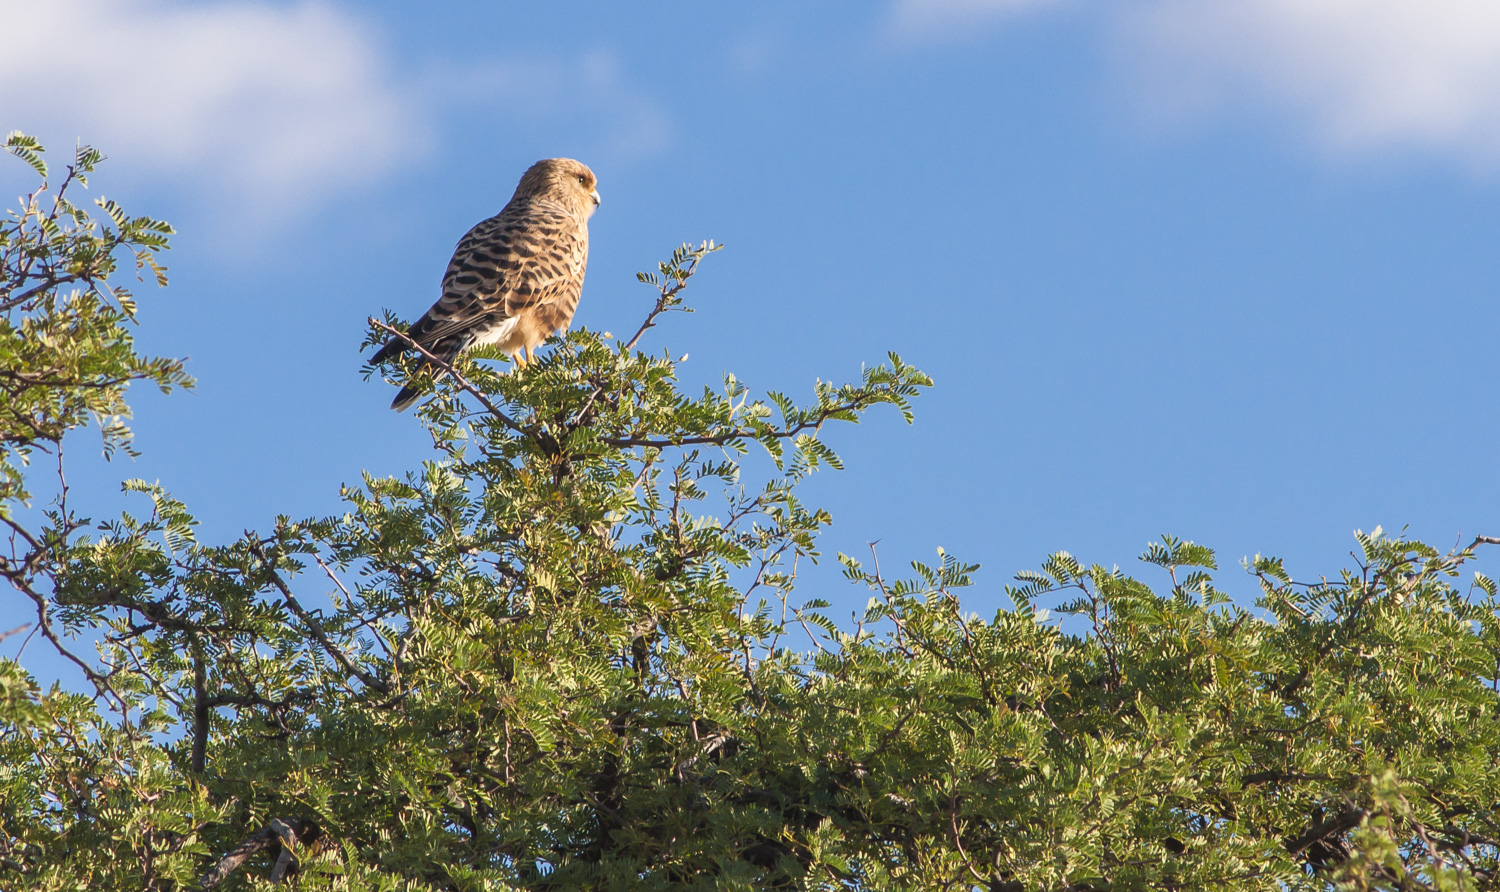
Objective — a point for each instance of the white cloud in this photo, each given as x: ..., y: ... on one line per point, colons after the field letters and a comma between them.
x: 270, y: 103
x: 1356, y: 74
x: 1353, y: 75
x: 920, y: 19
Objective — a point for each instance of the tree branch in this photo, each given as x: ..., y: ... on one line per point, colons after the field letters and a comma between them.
x: 286, y: 861
x: 720, y: 439
x: 665, y: 301
x: 200, y: 711
x: 278, y: 829
x: 313, y: 626
x: 1342, y: 822
x: 462, y: 382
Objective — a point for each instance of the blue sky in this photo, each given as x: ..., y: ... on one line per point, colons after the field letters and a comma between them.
x: 1225, y: 271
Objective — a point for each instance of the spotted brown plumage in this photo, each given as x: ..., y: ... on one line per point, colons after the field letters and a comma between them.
x: 515, y: 278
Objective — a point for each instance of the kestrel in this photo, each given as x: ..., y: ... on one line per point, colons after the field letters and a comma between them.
x: 515, y: 278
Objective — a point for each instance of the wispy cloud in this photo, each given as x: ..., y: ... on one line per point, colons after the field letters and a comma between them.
x: 1351, y: 75
x: 1355, y: 74
x: 586, y: 98
x: 270, y: 107
x: 926, y: 19
x: 263, y: 102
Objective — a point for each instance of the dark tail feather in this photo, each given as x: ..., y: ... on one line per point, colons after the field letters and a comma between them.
x: 409, y: 394
x: 396, y: 346
x: 405, y: 398
x: 392, y: 349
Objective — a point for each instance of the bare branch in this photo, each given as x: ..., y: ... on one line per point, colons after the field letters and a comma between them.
x: 665, y: 301
x: 313, y: 626
x: 737, y: 434
x: 237, y: 856
x: 462, y: 382
x: 285, y: 830
x: 286, y: 861
x: 200, y: 711
x: 1342, y: 822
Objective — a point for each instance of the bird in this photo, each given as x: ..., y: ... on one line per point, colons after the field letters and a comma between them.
x: 515, y: 278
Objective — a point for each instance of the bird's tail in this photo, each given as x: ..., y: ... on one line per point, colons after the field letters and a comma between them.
x: 405, y: 398
x: 445, y: 350
x: 392, y: 349
x: 408, y: 394
x: 427, y: 372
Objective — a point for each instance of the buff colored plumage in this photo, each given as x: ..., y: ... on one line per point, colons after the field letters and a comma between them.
x: 515, y: 278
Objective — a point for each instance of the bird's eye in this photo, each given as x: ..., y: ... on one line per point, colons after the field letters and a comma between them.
x: 583, y: 180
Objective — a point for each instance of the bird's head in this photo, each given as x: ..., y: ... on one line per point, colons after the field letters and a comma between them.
x: 563, y: 180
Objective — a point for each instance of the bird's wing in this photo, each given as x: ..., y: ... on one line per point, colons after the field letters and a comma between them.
x: 522, y: 259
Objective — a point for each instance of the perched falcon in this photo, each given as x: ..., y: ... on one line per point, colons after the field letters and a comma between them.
x: 514, y: 279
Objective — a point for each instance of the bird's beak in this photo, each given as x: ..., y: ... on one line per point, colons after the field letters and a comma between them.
x: 595, y: 195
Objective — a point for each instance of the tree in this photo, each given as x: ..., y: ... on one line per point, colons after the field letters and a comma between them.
x: 569, y: 652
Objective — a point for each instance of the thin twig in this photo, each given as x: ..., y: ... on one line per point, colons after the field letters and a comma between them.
x: 313, y: 626
x: 720, y: 439
x: 958, y: 841
x: 349, y: 599
x: 664, y: 302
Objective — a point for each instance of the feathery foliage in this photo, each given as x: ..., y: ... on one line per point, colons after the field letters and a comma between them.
x: 570, y: 652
